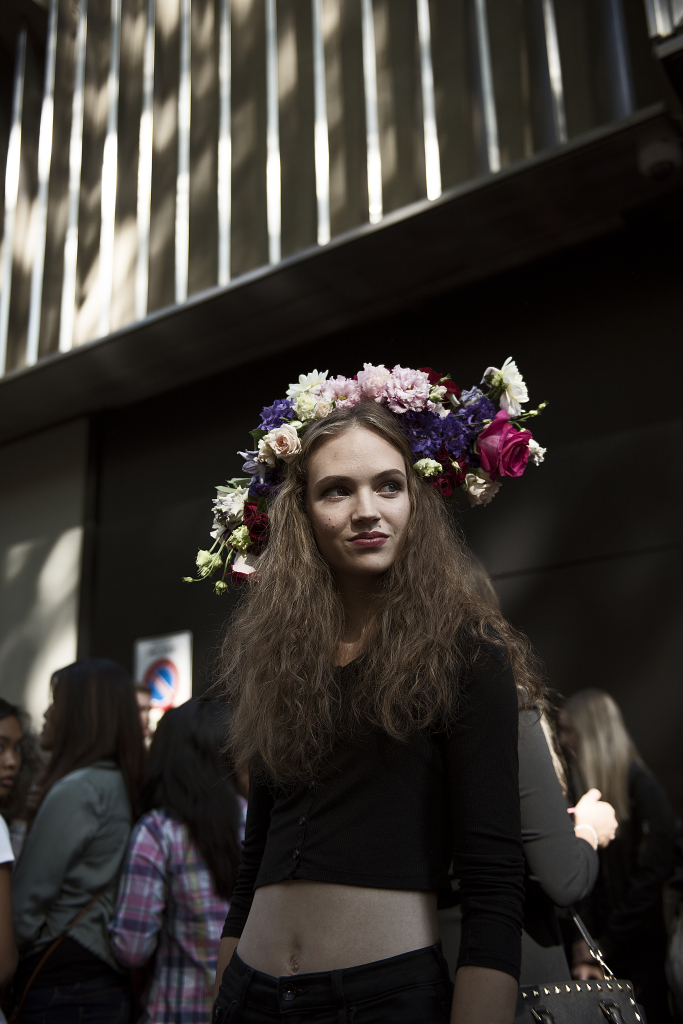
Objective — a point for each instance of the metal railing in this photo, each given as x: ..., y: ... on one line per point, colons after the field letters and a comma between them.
x: 182, y: 143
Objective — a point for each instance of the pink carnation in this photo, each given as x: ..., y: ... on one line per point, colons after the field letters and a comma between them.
x: 341, y: 390
x: 407, y: 389
x: 372, y: 380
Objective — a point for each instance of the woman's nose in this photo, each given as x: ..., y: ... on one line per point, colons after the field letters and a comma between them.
x: 366, y: 506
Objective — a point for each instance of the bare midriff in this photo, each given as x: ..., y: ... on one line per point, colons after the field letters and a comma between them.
x: 300, y: 927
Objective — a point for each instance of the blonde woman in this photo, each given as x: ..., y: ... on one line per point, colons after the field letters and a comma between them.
x: 374, y: 697
x: 625, y: 909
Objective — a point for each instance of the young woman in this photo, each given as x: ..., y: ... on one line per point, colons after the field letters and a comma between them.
x: 624, y: 912
x: 181, y: 865
x: 20, y: 762
x: 75, y: 846
x: 374, y: 697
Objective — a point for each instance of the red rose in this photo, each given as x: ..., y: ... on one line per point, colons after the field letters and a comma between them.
x: 451, y: 478
x: 257, y: 524
x: 435, y: 378
x: 503, y: 449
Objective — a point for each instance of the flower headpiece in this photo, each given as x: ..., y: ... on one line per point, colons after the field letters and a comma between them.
x: 458, y: 438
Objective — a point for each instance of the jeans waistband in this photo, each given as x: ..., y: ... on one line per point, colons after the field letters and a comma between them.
x: 424, y: 966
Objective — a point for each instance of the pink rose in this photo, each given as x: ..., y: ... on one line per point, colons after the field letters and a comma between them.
x: 503, y: 449
x: 407, y: 389
x: 372, y: 380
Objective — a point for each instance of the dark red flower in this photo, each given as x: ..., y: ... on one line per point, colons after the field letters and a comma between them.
x: 451, y: 478
x: 257, y: 524
x: 435, y: 378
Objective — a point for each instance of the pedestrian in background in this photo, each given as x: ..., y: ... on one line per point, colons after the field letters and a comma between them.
x: 181, y: 866
x: 65, y: 883
x: 20, y: 762
x: 624, y: 912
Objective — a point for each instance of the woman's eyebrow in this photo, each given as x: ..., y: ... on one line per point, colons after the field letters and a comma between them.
x: 327, y: 481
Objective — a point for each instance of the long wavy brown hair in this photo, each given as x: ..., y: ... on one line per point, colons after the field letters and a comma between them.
x: 427, y: 626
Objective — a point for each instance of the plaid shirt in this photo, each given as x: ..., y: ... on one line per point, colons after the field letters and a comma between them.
x: 167, y: 902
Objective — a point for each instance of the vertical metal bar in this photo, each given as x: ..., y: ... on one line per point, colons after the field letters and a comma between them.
x: 44, y: 161
x: 109, y: 174
x: 322, y: 143
x: 273, y: 179
x: 145, y: 167
x: 488, y: 98
x: 431, y: 138
x: 620, y: 66
x: 375, y: 209
x: 182, y: 202
x: 12, y: 191
x: 552, y: 48
x: 659, y: 21
x: 224, y: 144
x: 66, y: 319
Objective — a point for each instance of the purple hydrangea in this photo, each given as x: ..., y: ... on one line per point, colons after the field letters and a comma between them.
x: 427, y: 431
x: 265, y: 484
x: 275, y: 415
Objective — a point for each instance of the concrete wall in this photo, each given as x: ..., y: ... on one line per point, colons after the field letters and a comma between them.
x: 42, y: 494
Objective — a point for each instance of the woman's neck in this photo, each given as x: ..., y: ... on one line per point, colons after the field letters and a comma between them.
x: 357, y: 595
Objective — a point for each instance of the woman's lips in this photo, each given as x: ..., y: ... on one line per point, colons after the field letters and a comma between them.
x: 369, y: 540
x: 8, y: 781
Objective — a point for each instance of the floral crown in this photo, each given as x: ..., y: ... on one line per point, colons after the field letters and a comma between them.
x: 459, y: 438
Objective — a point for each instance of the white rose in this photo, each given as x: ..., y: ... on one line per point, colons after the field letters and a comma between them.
x: 480, y: 487
x: 536, y: 453
x: 304, y: 405
x: 322, y: 410
x: 282, y: 443
x: 514, y: 389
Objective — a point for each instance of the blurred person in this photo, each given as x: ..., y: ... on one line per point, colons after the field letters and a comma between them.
x: 181, y: 866
x: 561, y: 861
x: 8, y: 949
x: 64, y: 886
x: 143, y: 696
x: 20, y: 762
x: 624, y: 913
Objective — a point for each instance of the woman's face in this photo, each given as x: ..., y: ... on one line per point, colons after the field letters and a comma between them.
x: 47, y: 736
x: 11, y: 736
x: 357, y: 501
x: 568, y: 735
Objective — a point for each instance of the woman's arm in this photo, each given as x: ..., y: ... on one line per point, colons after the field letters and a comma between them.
x: 134, y: 929
x: 65, y: 823
x: 566, y: 866
x: 488, y: 858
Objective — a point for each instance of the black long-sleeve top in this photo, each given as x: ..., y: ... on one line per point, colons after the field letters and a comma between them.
x: 393, y: 815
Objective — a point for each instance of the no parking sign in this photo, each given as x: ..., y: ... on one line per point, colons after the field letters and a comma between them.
x: 164, y: 665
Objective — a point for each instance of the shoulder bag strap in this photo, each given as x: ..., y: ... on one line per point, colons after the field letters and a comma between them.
x: 50, y: 950
x: 595, y: 951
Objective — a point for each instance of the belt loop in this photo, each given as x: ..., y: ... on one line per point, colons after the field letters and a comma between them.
x: 246, y: 979
x: 338, y: 993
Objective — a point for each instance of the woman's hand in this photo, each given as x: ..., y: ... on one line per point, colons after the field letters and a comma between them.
x: 597, y: 814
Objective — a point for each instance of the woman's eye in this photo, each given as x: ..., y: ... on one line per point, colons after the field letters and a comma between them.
x: 335, y: 492
x: 390, y: 487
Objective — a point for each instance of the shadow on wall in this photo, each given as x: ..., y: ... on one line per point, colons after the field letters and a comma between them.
x: 41, y: 536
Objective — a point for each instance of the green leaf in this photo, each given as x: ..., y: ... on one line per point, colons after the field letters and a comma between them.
x: 258, y: 434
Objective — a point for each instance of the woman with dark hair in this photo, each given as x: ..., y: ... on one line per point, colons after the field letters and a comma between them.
x: 373, y: 695
x: 624, y: 912
x: 181, y: 865
x: 20, y: 762
x: 64, y: 886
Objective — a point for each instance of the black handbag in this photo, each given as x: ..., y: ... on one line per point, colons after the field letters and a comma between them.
x: 580, y: 1002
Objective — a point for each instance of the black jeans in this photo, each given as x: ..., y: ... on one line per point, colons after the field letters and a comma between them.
x: 97, y: 1001
x: 413, y: 988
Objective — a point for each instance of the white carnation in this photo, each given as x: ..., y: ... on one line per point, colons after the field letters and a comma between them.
x: 536, y: 453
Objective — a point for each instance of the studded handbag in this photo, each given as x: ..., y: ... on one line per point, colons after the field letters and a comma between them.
x: 580, y: 1002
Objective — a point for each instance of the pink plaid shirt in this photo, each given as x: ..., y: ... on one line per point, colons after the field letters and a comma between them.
x: 167, y: 902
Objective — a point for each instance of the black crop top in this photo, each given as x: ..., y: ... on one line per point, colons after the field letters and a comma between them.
x: 392, y: 815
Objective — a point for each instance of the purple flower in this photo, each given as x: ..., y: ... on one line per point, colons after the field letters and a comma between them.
x: 275, y: 415
x: 427, y: 432
x: 265, y: 483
